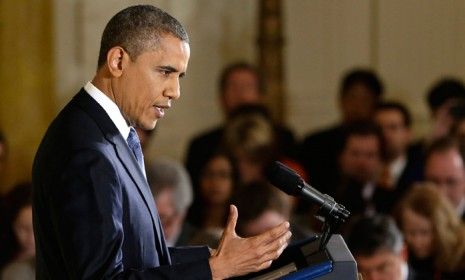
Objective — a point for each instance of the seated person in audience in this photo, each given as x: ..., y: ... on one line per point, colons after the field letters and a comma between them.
x: 442, y: 96
x: 360, y: 163
x: 378, y: 248
x: 17, y: 246
x: 400, y: 169
x: 458, y: 127
x: 239, y: 85
x: 261, y: 207
x: 445, y: 167
x: 210, y: 210
x: 172, y: 190
x: 359, y: 92
x: 434, y: 235
x: 251, y: 139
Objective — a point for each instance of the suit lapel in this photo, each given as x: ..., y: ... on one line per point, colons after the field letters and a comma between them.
x: 125, y: 155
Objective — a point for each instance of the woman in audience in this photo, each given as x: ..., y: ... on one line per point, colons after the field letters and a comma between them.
x: 210, y: 210
x: 17, y: 246
x: 434, y: 234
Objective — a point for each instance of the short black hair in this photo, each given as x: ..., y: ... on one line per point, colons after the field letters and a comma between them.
x: 367, y: 77
x: 444, y: 90
x: 362, y: 128
x: 254, y: 199
x: 394, y: 105
x: 234, y: 67
x: 138, y: 28
x: 369, y: 235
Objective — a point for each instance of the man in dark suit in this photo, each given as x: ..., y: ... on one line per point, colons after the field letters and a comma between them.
x: 359, y: 92
x: 401, y: 168
x: 94, y: 215
x: 378, y: 247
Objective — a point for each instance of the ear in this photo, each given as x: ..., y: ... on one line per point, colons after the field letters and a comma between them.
x: 115, y: 60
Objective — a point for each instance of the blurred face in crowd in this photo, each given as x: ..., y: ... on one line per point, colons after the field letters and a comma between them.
x: 360, y: 159
x: 170, y: 217
x: 22, y: 227
x: 267, y: 220
x: 418, y: 232
x: 382, y: 265
x: 216, y: 182
x: 395, y: 132
x: 357, y: 103
x: 242, y: 87
x: 446, y: 170
x: 144, y: 87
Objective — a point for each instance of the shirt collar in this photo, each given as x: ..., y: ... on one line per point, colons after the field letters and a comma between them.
x: 110, y: 108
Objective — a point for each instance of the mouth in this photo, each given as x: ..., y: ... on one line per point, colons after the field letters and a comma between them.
x: 160, y: 110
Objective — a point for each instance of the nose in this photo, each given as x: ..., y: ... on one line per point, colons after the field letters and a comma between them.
x: 173, y: 90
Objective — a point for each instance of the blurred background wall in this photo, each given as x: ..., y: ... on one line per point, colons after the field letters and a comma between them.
x: 48, y: 50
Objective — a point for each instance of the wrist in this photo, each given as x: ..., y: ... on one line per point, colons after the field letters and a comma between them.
x: 216, y: 268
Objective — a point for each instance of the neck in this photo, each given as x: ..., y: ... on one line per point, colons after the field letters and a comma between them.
x: 103, y: 82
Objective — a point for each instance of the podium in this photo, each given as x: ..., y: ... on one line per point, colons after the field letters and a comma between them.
x: 304, y: 260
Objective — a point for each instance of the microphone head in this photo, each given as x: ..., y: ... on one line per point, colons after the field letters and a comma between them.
x: 284, y: 178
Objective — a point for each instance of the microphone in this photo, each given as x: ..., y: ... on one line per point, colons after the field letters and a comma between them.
x: 291, y: 183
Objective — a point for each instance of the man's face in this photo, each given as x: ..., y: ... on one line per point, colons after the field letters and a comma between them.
x: 147, y: 85
x: 382, y: 265
x: 171, y: 219
x: 360, y: 159
x: 395, y: 132
x: 241, y: 88
x: 446, y: 170
x: 357, y: 103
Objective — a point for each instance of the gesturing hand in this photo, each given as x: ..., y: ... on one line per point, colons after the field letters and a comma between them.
x: 238, y: 256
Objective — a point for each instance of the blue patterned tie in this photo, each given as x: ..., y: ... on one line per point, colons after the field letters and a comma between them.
x: 134, y: 145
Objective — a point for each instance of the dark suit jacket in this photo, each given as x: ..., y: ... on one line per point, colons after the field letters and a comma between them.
x: 94, y: 215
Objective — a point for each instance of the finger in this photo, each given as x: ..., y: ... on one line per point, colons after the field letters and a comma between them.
x: 232, y: 220
x: 277, y: 245
x: 274, y: 233
x: 263, y: 265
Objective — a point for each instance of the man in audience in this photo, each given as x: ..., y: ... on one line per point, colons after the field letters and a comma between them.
x: 378, y: 247
x: 261, y: 207
x: 359, y: 92
x: 239, y: 85
x: 400, y: 169
x: 360, y: 164
x: 172, y: 190
x: 445, y: 167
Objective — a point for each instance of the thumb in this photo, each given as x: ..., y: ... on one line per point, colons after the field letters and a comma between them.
x: 232, y: 220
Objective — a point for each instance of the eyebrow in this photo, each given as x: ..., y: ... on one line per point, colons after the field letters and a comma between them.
x: 171, y: 69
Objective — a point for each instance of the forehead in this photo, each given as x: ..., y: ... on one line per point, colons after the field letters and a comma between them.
x: 376, y: 259
x: 388, y: 115
x: 449, y: 160
x: 169, y: 50
x: 363, y: 141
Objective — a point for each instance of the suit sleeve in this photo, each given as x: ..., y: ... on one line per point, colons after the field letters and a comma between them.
x: 87, y: 213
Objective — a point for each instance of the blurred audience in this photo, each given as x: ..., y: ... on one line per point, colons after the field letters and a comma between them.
x: 239, y: 85
x: 359, y: 92
x: 442, y: 98
x: 261, y: 207
x: 378, y: 248
x: 209, y: 212
x: 360, y: 163
x: 444, y: 166
x: 435, y: 236
x: 172, y: 191
x: 17, y: 246
x: 400, y: 167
